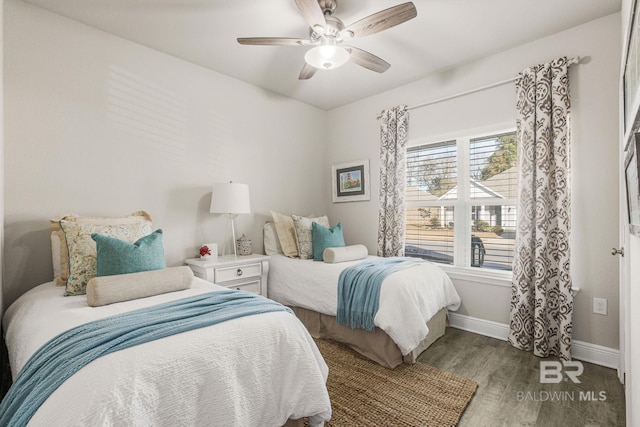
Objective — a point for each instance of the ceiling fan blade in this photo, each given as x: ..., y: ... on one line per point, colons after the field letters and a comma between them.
x: 307, y: 72
x: 312, y: 13
x: 383, y: 20
x: 368, y: 60
x: 271, y: 41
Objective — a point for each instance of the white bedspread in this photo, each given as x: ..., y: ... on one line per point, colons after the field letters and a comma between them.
x: 253, y: 371
x: 408, y: 298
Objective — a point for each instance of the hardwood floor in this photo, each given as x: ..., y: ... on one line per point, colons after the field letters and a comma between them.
x: 510, y: 392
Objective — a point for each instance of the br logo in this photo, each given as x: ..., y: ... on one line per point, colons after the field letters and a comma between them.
x: 556, y: 372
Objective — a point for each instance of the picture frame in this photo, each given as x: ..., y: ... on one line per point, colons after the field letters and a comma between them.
x: 632, y: 180
x: 350, y: 181
x: 631, y: 75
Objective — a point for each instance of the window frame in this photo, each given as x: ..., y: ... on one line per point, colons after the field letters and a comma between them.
x: 461, y: 268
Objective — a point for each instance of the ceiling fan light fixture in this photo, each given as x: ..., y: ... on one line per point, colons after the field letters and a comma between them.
x: 327, y: 57
x: 327, y: 33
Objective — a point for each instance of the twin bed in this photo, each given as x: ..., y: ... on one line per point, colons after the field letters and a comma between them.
x: 304, y: 275
x: 411, y: 316
x: 263, y: 369
x: 190, y: 352
x: 260, y: 369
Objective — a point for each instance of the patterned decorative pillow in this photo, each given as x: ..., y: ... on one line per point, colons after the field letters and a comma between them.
x: 303, y: 227
x: 323, y: 238
x: 62, y: 250
x: 82, y: 249
x: 115, y: 256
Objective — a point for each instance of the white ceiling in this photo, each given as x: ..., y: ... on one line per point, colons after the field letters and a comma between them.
x: 446, y: 33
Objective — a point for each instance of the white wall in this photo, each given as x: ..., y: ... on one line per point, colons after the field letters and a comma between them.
x: 97, y: 125
x: 354, y: 134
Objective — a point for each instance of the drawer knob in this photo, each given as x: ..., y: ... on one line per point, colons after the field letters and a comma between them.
x: 239, y: 272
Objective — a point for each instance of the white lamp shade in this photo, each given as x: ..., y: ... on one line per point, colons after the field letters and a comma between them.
x: 327, y: 57
x: 230, y: 198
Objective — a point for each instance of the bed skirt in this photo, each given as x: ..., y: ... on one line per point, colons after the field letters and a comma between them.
x: 375, y: 345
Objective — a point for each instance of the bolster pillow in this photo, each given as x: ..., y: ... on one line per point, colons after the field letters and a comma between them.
x: 105, y: 290
x: 345, y: 253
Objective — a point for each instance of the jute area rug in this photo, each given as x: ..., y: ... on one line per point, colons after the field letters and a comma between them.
x: 364, y: 393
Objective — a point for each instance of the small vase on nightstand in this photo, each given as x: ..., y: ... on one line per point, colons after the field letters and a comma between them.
x: 243, y: 246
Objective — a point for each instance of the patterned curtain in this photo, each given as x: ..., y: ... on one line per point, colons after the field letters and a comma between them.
x: 541, y: 300
x: 394, y: 124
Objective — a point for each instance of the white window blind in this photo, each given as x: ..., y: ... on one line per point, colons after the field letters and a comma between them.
x: 432, y: 175
x: 461, y: 201
x: 493, y: 190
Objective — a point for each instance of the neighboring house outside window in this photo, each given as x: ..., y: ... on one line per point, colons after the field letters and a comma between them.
x: 461, y: 201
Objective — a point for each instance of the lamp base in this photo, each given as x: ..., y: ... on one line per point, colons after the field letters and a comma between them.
x: 229, y: 245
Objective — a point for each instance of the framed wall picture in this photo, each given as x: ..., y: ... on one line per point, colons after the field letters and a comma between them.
x: 632, y: 179
x: 631, y: 76
x: 350, y: 181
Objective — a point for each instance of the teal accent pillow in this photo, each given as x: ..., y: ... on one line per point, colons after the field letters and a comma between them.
x: 323, y: 237
x: 115, y: 256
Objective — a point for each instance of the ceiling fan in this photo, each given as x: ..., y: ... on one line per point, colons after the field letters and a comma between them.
x: 327, y: 34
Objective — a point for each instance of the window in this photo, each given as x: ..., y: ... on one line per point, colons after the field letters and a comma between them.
x: 461, y: 201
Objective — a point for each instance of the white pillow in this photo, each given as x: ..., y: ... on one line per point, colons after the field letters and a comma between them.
x: 105, y: 290
x: 272, y: 244
x: 345, y: 253
x: 55, y: 255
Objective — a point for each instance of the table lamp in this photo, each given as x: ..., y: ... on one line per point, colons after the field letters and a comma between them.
x: 230, y: 199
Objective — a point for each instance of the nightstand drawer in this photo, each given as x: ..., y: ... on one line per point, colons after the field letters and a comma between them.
x: 247, y: 272
x: 225, y: 274
x: 253, y: 286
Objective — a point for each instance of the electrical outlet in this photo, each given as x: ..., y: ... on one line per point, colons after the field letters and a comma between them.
x: 600, y: 306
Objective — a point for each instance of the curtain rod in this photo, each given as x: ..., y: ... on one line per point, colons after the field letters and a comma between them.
x: 571, y: 61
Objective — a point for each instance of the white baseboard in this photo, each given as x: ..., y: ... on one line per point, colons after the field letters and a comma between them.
x: 594, y: 353
x: 479, y: 326
x: 587, y: 352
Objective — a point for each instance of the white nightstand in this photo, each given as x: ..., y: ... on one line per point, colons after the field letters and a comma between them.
x: 246, y: 272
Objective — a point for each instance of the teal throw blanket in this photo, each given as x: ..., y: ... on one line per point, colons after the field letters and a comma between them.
x: 359, y: 289
x: 70, y: 351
